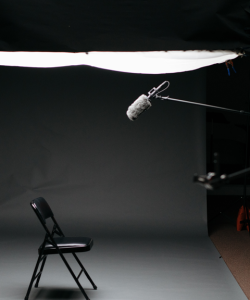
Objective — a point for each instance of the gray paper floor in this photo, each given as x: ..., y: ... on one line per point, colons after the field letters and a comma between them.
x: 133, y: 269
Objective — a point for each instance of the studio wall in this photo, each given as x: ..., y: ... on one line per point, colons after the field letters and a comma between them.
x: 65, y: 136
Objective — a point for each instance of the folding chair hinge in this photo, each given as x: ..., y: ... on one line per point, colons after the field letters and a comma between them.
x: 38, y: 274
x: 56, y: 230
x: 48, y: 240
x: 42, y: 258
x: 80, y: 274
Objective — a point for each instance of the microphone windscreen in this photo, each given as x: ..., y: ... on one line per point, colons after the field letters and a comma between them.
x: 138, y: 107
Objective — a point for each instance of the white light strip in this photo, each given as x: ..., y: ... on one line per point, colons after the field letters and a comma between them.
x: 155, y: 62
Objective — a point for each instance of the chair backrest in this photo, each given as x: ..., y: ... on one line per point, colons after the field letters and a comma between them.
x: 42, y: 209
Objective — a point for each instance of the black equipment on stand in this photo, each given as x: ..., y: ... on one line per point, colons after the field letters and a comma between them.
x: 213, y: 179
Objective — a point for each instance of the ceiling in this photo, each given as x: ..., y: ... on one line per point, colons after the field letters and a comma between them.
x: 125, y: 25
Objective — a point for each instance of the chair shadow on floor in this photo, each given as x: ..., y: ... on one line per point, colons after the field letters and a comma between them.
x: 57, y: 293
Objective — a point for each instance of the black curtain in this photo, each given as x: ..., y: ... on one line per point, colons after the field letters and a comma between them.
x: 125, y: 25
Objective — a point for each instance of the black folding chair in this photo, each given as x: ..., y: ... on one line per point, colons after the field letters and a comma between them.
x: 57, y: 245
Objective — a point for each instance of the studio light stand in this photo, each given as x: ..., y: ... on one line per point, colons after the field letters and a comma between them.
x: 214, y: 180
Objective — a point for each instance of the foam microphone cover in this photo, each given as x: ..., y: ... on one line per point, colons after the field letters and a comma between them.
x: 138, y: 107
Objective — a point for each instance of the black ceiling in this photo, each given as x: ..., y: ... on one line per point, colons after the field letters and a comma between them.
x: 123, y: 25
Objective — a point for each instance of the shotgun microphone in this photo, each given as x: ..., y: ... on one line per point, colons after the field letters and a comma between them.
x: 138, y: 107
x: 143, y: 103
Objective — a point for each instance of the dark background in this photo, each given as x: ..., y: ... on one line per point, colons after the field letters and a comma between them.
x: 62, y: 131
x: 226, y: 132
x: 124, y: 25
x: 65, y: 136
x: 227, y: 135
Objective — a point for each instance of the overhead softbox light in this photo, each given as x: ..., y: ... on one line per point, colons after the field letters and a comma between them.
x: 148, y: 28
x: 155, y: 62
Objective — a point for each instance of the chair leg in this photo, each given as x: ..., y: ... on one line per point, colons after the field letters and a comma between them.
x: 33, y: 278
x: 40, y: 272
x: 85, y: 272
x: 73, y: 275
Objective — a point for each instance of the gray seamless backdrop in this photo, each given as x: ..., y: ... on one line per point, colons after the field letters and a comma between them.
x: 65, y: 136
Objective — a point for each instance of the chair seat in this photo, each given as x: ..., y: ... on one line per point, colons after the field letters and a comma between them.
x: 68, y: 245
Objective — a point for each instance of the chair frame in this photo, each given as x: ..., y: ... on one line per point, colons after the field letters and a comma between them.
x: 49, y: 238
